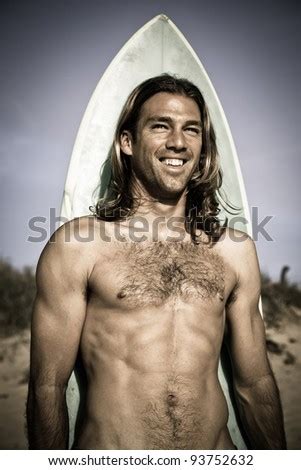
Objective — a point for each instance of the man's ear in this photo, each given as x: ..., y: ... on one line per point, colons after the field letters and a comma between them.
x: 126, y: 143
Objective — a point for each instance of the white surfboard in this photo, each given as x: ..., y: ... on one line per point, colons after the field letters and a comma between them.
x: 156, y: 48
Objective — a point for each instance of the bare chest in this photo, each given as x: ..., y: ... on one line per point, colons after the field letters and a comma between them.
x: 140, y: 274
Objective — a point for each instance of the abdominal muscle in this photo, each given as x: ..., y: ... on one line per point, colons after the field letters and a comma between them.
x: 153, y: 388
x: 148, y: 414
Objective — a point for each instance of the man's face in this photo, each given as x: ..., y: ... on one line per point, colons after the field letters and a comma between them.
x: 168, y: 144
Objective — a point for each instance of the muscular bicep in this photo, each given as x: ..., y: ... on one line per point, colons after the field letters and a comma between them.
x: 58, y: 316
x: 245, y: 327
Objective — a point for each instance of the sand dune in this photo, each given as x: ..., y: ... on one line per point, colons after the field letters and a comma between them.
x: 286, y: 364
x: 14, y: 366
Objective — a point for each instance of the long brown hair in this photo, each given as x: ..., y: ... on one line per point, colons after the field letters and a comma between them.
x: 202, y: 203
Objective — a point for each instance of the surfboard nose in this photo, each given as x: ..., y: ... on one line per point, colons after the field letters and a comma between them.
x: 162, y: 17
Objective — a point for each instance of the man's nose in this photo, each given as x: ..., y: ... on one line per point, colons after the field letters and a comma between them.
x: 176, y: 141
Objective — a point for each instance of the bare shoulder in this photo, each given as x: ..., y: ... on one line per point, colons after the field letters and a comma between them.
x: 68, y: 249
x: 238, y: 248
x: 69, y: 237
x: 234, y: 241
x: 77, y: 244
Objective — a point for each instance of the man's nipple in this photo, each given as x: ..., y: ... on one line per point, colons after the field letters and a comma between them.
x: 121, y: 294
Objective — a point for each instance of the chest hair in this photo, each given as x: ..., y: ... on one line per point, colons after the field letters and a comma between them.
x: 155, y: 272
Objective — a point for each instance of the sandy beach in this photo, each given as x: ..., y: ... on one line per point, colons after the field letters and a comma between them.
x: 284, y: 345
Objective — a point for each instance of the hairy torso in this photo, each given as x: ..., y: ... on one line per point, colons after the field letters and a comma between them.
x: 159, y: 271
x: 151, y: 344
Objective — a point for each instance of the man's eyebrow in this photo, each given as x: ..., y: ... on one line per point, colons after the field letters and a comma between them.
x: 156, y: 118
x: 190, y: 122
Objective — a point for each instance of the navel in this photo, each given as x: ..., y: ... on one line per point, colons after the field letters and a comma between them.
x: 172, y: 400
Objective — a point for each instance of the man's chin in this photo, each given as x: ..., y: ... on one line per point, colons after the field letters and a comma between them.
x: 170, y: 195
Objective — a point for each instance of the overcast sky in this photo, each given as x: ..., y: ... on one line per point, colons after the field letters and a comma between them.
x: 53, y: 54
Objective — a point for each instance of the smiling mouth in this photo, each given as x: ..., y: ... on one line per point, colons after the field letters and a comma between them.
x: 172, y: 161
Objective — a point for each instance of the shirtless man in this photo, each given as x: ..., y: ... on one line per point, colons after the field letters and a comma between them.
x: 147, y: 312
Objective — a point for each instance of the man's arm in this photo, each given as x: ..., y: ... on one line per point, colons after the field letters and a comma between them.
x: 58, y: 317
x: 254, y: 384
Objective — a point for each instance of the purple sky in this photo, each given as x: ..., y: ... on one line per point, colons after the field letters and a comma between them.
x: 53, y: 53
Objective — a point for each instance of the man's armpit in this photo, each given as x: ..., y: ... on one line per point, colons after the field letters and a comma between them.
x: 232, y: 297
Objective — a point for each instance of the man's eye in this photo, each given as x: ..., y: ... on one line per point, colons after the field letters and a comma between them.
x: 159, y: 126
x: 193, y: 130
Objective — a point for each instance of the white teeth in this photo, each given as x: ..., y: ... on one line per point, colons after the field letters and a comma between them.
x: 173, y: 161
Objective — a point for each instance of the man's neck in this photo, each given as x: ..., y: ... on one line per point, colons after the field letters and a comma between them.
x: 152, y: 209
x: 151, y: 206
x: 165, y: 219
x: 169, y: 208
